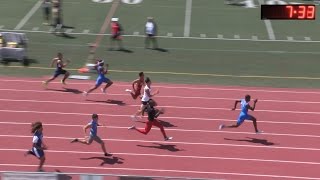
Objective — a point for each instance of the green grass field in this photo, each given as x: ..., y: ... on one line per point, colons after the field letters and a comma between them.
x: 227, y: 45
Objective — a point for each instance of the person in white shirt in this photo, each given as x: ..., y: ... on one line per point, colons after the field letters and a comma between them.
x: 147, y: 95
x: 151, y: 33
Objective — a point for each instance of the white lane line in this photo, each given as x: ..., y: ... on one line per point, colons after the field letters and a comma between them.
x: 268, y: 26
x: 28, y: 15
x: 179, y: 130
x: 177, y: 142
x: 181, y: 156
x: 167, y: 171
x: 176, y: 107
x: 167, y: 86
x: 167, y: 96
x: 187, y: 21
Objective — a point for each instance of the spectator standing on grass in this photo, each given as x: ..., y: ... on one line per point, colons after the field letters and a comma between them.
x: 57, y: 15
x: 116, y: 32
x: 151, y: 33
x: 46, y: 5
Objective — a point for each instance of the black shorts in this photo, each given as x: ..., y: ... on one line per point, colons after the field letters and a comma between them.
x: 58, y: 72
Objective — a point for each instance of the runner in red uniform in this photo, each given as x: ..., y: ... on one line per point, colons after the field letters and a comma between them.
x: 137, y: 86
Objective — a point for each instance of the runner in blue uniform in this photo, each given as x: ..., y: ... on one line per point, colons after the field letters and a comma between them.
x: 245, y: 106
x: 59, y: 69
x: 38, y: 144
x: 93, y: 125
x: 101, y: 78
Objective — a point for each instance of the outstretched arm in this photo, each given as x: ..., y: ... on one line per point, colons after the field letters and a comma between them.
x: 254, y: 105
x: 235, y: 105
x: 134, y: 82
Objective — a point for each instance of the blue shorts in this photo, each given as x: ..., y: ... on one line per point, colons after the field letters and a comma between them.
x: 38, y: 152
x: 58, y: 72
x: 101, y: 80
x: 243, y: 117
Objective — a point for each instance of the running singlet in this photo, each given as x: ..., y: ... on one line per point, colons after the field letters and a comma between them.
x: 59, y: 64
x: 145, y: 97
x: 100, y: 72
x: 151, y: 112
x: 94, y: 128
x: 37, y: 138
x: 244, y: 105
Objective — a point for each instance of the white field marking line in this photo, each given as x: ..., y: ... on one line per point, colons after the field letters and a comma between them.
x: 176, y: 87
x: 268, y: 26
x: 28, y: 15
x: 167, y: 171
x: 176, y: 107
x: 177, y: 37
x: 176, y: 142
x: 181, y: 156
x: 180, y: 130
x: 187, y: 20
x: 159, y: 96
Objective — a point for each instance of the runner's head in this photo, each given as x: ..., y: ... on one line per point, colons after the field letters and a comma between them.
x: 141, y: 75
x: 95, y: 117
x: 59, y: 55
x: 148, y: 81
x: 247, y: 97
x: 37, y: 126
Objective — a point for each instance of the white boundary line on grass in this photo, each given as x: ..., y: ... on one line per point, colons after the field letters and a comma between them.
x: 176, y: 37
x: 28, y: 15
x: 187, y: 21
x: 268, y: 26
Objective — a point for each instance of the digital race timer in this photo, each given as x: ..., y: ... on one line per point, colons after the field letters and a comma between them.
x: 289, y: 12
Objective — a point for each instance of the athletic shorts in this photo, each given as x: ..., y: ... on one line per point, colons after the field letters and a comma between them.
x: 102, y: 80
x: 38, y: 152
x: 95, y: 138
x: 59, y: 71
x: 243, y: 117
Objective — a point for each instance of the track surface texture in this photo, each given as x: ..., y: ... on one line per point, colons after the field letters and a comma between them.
x: 288, y: 149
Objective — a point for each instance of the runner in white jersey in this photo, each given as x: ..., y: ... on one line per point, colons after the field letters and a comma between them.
x: 145, y: 98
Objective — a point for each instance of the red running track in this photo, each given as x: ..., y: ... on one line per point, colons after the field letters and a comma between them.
x: 289, y: 148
